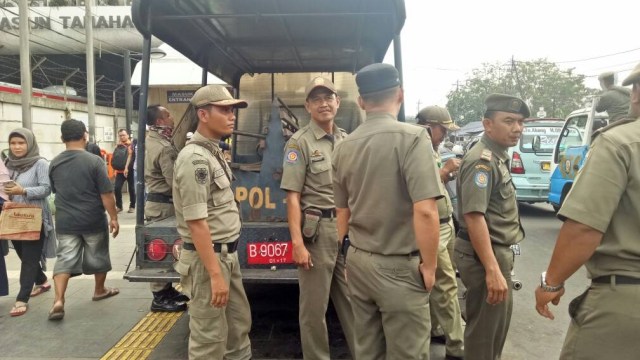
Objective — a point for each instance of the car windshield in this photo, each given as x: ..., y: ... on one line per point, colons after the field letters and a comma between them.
x: 548, y: 138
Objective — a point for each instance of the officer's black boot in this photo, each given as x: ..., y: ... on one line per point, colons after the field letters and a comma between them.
x: 168, y: 300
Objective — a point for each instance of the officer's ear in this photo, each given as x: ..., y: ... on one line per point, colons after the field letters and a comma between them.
x: 306, y: 105
x: 361, y: 102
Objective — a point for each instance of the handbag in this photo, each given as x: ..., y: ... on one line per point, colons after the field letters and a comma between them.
x: 20, y: 221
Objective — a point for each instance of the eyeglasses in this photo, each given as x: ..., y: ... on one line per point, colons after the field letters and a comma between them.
x: 321, y: 99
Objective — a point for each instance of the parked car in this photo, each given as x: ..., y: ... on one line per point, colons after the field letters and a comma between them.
x: 531, y: 169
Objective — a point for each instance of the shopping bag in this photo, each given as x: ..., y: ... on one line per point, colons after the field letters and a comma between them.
x: 20, y: 221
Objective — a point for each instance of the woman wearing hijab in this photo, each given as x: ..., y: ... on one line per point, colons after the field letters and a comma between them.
x: 30, y: 174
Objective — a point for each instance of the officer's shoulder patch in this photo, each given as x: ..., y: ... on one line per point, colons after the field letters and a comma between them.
x: 481, y: 179
x: 200, y: 162
x: 201, y: 174
x: 482, y: 167
x: 292, y: 156
x: 486, y: 155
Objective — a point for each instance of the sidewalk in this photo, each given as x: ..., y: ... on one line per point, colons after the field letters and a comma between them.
x: 89, y: 328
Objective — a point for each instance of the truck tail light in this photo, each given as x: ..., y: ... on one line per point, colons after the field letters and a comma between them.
x: 176, y: 248
x: 516, y: 164
x: 157, y: 249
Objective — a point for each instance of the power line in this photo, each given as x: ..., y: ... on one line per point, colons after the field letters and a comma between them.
x: 597, y: 57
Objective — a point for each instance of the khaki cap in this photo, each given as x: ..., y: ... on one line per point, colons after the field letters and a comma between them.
x: 215, y: 95
x: 633, y: 77
x: 317, y: 82
x: 438, y: 115
x: 507, y: 103
x: 606, y: 75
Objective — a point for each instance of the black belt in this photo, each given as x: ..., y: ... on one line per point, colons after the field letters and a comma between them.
x: 217, y: 247
x: 159, y: 198
x: 464, y: 235
x: 413, y: 253
x: 619, y: 280
x: 328, y: 213
x: 445, y: 220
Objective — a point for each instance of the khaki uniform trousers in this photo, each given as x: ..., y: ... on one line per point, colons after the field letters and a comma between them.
x: 216, y: 333
x: 325, y: 279
x: 158, y: 211
x: 443, y: 300
x: 390, y: 306
x: 605, y: 325
x: 487, y: 325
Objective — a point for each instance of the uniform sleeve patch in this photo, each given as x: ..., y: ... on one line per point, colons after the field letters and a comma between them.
x: 292, y: 156
x: 482, y: 167
x: 200, y: 162
x: 481, y: 179
x: 201, y: 175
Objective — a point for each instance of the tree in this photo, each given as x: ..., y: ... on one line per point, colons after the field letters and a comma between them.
x: 539, y: 82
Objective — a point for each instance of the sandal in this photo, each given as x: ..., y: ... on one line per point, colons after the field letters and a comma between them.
x: 39, y: 289
x: 56, y: 312
x: 109, y: 293
x: 19, y: 309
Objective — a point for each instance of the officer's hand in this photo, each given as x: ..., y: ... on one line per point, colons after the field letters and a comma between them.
x: 219, y: 291
x: 114, y: 227
x: 497, y: 288
x: 452, y: 165
x: 542, y: 301
x: 428, y: 277
x: 301, y: 256
x: 126, y: 173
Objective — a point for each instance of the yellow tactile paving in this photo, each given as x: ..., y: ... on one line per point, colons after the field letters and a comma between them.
x: 144, y: 337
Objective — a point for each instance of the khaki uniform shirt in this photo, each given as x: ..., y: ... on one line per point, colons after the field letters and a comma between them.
x: 307, y: 165
x: 202, y: 190
x: 615, y: 102
x: 485, y: 186
x: 379, y: 171
x: 606, y: 197
x: 445, y: 209
x: 159, y: 158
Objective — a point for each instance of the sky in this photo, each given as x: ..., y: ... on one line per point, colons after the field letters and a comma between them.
x: 443, y: 41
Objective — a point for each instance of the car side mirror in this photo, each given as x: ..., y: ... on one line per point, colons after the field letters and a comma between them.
x: 535, y: 145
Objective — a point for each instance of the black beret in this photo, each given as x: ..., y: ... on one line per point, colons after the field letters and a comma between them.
x: 507, y: 103
x: 377, y: 77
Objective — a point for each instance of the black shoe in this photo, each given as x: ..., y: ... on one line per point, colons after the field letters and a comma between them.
x: 452, y: 357
x: 173, y: 294
x: 166, y: 305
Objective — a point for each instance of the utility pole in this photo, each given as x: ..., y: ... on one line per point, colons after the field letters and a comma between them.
x: 418, y: 106
x: 128, y: 97
x: 25, y: 64
x: 91, y: 76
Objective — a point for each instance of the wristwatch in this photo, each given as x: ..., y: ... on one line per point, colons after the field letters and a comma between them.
x: 546, y: 287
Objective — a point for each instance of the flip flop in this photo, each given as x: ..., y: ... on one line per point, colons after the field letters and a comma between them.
x: 56, y: 313
x: 19, y: 309
x: 110, y: 292
x: 39, y: 289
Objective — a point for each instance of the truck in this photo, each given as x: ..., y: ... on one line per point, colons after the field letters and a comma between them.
x: 571, y: 150
x: 266, y: 52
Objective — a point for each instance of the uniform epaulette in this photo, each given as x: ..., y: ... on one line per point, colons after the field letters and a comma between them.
x: 486, y: 155
x: 611, y: 126
x: 300, y: 132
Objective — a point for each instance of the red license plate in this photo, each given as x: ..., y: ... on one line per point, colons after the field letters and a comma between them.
x: 269, y: 253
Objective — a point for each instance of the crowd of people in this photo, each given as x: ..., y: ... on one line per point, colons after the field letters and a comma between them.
x: 390, y: 270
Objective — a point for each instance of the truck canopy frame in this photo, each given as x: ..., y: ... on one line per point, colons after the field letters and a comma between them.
x: 229, y: 38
